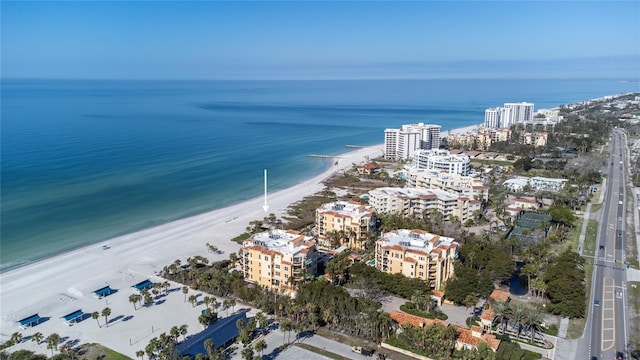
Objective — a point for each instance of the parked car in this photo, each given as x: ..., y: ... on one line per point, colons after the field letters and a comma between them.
x: 362, y: 350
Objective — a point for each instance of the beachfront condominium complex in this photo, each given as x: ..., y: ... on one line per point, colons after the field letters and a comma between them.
x: 420, y: 202
x: 441, y: 160
x: 495, y: 118
x: 521, y: 112
x: 417, y: 254
x: 344, y: 223
x: 400, y: 144
x: 480, y: 140
x: 510, y: 114
x: 466, y: 186
x: 278, y: 259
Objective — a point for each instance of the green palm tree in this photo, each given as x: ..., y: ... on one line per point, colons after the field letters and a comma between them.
x: 529, y: 270
x: 133, y: 299
x: 52, y: 342
x: 209, y: 347
x: 185, y: 291
x: 95, y: 316
x: 261, y: 320
x: 16, y: 338
x: 37, y: 337
x: 140, y: 354
x: 517, y: 315
x: 106, y: 312
x: 501, y: 310
x: 184, y: 331
x: 193, y: 300
x: 261, y: 346
x: 247, y: 352
x: 533, y: 320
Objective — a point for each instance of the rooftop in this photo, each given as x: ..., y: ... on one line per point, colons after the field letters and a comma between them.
x: 402, y: 318
x: 282, y: 241
x: 499, y: 295
x: 415, y: 193
x: 347, y: 208
x: 417, y: 240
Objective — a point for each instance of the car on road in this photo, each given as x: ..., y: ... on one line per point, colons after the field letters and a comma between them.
x: 601, y: 247
x: 619, y: 355
x: 596, y: 303
x: 362, y: 350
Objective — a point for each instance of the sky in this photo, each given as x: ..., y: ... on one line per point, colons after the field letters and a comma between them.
x: 319, y: 39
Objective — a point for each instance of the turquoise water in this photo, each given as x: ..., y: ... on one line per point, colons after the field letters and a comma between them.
x: 84, y: 161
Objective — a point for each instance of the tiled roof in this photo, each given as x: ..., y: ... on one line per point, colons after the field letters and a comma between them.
x: 402, y: 318
x: 465, y: 336
x: 487, y: 315
x: 499, y: 295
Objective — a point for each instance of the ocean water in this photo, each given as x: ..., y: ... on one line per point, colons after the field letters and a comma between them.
x: 84, y: 161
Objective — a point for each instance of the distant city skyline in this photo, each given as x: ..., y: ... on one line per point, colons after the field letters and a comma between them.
x: 320, y: 40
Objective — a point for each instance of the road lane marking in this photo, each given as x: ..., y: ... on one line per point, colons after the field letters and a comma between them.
x: 608, y: 330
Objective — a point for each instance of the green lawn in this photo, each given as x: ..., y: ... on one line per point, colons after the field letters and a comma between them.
x: 576, y: 326
x: 634, y: 300
x: 589, y: 247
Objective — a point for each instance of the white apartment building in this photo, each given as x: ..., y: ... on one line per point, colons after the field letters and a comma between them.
x: 417, y: 254
x: 537, y: 183
x: 278, y: 259
x: 466, y: 186
x: 547, y: 184
x: 441, y: 160
x: 400, y: 144
x: 499, y: 117
x: 521, y: 112
x: 506, y: 119
x: 417, y: 202
x: 492, y: 118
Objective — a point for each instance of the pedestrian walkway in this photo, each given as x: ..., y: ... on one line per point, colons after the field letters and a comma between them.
x: 562, y: 329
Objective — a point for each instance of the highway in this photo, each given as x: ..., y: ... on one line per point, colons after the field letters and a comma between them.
x: 605, y: 332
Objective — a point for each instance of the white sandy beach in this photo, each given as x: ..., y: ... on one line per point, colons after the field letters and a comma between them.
x: 462, y: 130
x: 62, y: 284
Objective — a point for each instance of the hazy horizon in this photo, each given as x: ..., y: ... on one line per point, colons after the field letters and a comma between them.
x: 320, y: 40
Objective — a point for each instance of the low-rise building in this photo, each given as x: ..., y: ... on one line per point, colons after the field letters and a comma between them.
x: 472, y: 338
x: 466, y: 339
x: 516, y: 184
x: 526, y: 203
x: 462, y: 185
x: 368, y: 169
x: 441, y: 160
x: 344, y: 223
x: 482, y: 139
x: 417, y: 254
x: 278, y: 259
x: 536, y: 183
x: 418, y: 202
x: 547, y: 184
x: 537, y: 139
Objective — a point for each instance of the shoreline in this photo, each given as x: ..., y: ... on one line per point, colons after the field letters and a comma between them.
x: 17, y: 265
x: 142, y: 254
x: 63, y: 283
